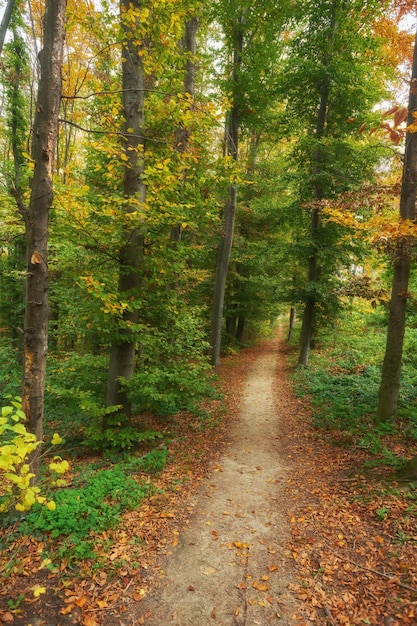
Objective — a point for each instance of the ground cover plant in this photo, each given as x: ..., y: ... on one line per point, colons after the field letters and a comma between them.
x: 342, y: 384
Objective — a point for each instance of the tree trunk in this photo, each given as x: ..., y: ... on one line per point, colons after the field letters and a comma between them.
x: 122, y: 355
x: 240, y: 330
x: 229, y: 211
x: 291, y: 323
x: 182, y: 135
x: 391, y: 368
x: 45, y: 131
x: 231, y: 322
x: 313, y: 261
x: 5, y: 21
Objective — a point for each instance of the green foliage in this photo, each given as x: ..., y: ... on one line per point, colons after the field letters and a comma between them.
x: 10, y: 370
x: 116, y: 435
x: 94, y: 504
x: 176, y: 374
x: 342, y: 382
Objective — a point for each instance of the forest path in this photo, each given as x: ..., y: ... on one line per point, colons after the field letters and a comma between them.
x: 229, y: 566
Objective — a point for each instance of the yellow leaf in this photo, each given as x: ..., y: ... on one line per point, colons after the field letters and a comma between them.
x: 38, y: 591
x: 58, y: 465
x: 51, y: 505
x: 56, y: 439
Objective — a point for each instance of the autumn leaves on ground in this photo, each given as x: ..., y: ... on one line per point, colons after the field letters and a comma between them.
x: 315, y: 539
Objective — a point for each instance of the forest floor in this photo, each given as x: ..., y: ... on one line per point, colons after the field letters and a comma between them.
x: 260, y: 520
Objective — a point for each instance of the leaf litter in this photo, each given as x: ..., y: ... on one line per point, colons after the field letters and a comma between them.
x: 350, y: 550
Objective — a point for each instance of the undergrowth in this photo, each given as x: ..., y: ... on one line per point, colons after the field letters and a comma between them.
x: 92, y: 504
x: 342, y: 383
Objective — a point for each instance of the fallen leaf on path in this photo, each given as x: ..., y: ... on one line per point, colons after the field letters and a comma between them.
x: 240, y: 545
x: 260, y: 586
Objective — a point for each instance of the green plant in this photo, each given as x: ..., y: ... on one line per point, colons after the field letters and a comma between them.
x: 16, y: 447
x: 382, y: 512
x: 14, y: 604
x: 94, y: 504
x: 116, y: 436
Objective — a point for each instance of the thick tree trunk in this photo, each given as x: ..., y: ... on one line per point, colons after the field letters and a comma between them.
x: 45, y: 130
x: 391, y: 368
x: 122, y: 355
x: 229, y: 211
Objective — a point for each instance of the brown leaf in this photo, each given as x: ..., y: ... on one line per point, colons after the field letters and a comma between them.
x: 67, y: 609
x: 36, y: 258
x: 214, y: 613
x: 260, y: 586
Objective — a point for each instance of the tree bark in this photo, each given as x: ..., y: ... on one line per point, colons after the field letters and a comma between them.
x: 229, y: 211
x: 313, y: 270
x: 391, y: 368
x: 291, y: 323
x: 44, y: 140
x: 5, y: 22
x: 122, y: 355
x: 182, y: 134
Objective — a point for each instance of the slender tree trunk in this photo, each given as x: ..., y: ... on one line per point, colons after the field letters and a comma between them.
x: 231, y: 322
x: 122, y: 355
x: 391, y: 368
x: 291, y: 323
x: 182, y: 134
x: 229, y: 211
x: 313, y: 271
x: 240, y: 330
x: 45, y: 130
x: 5, y: 21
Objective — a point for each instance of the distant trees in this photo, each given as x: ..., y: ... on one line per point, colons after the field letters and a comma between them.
x: 331, y: 84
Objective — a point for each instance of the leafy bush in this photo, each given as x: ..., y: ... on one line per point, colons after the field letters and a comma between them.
x: 16, y: 446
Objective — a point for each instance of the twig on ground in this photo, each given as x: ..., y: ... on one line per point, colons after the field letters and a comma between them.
x: 392, y: 579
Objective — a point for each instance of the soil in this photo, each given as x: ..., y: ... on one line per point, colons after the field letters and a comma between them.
x: 229, y: 566
x: 260, y: 518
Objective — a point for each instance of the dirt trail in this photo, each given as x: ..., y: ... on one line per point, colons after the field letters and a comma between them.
x: 229, y: 567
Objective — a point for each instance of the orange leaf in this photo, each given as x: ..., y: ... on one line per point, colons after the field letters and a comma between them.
x: 259, y: 586
x: 36, y: 258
